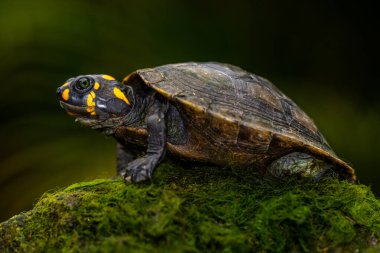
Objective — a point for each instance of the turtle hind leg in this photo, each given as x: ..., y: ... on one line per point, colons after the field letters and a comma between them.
x: 298, y: 163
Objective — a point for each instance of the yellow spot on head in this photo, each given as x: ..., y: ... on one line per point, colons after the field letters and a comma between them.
x: 120, y: 95
x: 107, y: 77
x: 66, y: 94
x: 96, y: 86
x: 91, y: 102
x: 93, y: 113
x: 65, y: 84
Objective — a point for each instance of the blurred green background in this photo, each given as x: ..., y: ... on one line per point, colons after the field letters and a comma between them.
x: 320, y: 53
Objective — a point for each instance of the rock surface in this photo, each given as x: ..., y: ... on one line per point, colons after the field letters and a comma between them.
x: 199, y: 209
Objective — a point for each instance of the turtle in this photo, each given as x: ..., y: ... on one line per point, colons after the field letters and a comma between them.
x: 207, y: 112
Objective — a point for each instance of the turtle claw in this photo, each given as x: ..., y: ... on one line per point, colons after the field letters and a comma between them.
x: 140, y: 169
x: 140, y: 176
x: 128, y: 179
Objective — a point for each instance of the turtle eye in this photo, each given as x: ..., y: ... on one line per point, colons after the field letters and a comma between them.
x: 83, y: 84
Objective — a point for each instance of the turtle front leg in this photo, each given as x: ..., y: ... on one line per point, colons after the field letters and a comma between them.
x: 142, y: 168
x: 123, y: 157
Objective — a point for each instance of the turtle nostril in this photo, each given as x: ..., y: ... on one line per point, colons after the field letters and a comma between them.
x: 59, y: 91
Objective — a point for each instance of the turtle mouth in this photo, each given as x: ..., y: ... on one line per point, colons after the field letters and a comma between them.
x: 74, y: 110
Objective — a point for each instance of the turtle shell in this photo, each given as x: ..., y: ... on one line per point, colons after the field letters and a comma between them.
x: 243, y: 112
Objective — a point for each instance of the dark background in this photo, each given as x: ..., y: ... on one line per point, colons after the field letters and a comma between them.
x: 320, y: 53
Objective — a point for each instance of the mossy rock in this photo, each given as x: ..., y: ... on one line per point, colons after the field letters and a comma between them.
x: 199, y: 209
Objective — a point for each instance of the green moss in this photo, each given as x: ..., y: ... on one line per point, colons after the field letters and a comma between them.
x: 199, y: 209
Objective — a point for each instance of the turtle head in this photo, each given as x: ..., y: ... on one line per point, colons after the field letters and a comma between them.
x: 95, y: 97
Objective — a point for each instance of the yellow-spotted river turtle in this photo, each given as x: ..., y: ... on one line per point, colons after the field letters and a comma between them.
x: 208, y: 112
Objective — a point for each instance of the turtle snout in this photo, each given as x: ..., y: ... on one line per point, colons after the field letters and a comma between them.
x: 59, y: 91
x: 63, y: 93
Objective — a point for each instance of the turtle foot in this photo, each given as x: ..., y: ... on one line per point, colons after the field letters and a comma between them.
x: 297, y: 163
x: 140, y: 169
